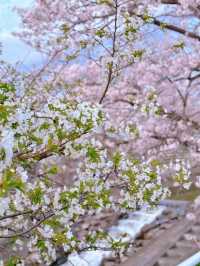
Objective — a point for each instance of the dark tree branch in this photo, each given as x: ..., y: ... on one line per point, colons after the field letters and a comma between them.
x: 177, y: 29
x: 110, y: 71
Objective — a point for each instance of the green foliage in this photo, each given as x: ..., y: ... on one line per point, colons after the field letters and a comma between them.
x: 93, y: 154
x: 138, y: 53
x: 65, y: 28
x: 36, y: 195
x: 179, y: 45
x: 147, y: 18
x: 10, y: 182
x: 101, y: 33
x: 117, y: 159
x: 13, y: 261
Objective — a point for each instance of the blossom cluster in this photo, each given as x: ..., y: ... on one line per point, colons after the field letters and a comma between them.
x: 55, y: 114
x: 37, y: 216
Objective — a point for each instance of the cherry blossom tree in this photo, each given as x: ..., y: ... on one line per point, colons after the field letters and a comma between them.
x: 37, y: 215
x: 111, y: 38
x: 105, y: 100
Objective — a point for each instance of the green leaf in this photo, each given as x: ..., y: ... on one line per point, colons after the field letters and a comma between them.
x: 41, y: 245
x: 93, y: 155
x: 138, y: 53
x: 36, y: 195
x: 53, y: 170
x: 36, y: 139
x: 60, y: 238
x: 44, y: 126
x: 5, y: 87
x: 2, y: 154
x: 100, y: 33
x: 52, y: 146
x: 159, y: 111
x: 5, y: 112
x: 179, y: 45
x: 65, y: 28
x: 54, y: 223
x: 147, y: 18
x: 10, y: 181
x: 12, y: 261
x: 117, y: 159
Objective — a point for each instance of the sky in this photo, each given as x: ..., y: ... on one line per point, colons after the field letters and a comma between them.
x: 14, y: 50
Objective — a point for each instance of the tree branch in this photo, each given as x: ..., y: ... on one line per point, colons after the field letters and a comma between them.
x: 110, y: 72
x: 177, y: 29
